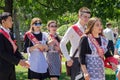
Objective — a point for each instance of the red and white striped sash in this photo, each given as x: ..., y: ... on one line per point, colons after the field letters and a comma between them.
x: 7, y: 36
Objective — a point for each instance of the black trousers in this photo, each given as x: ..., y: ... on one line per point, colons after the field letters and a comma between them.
x: 111, y: 46
x: 8, y: 75
x: 75, y: 69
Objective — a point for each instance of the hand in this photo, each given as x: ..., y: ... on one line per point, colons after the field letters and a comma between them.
x: 40, y: 46
x: 117, y: 56
x: 114, y: 66
x: 24, y: 63
x: 45, y: 47
x: 57, y: 48
x: 86, y: 76
x: 69, y: 63
x: 51, y: 42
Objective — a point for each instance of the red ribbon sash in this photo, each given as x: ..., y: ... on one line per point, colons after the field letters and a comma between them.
x: 53, y: 37
x: 9, y: 38
x: 99, y: 49
x: 107, y: 60
x: 77, y: 30
x: 32, y: 38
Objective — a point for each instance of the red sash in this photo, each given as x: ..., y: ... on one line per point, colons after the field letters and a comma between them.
x: 9, y: 38
x: 107, y: 60
x: 32, y: 38
x: 93, y: 40
x: 53, y: 37
x: 77, y: 30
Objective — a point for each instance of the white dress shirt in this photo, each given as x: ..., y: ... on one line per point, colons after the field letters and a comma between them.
x: 74, y: 39
x: 6, y: 30
x: 108, y: 33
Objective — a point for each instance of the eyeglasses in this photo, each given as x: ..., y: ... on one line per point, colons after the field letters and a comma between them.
x: 37, y: 24
x: 54, y: 26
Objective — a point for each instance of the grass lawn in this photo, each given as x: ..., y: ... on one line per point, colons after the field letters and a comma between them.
x: 21, y: 73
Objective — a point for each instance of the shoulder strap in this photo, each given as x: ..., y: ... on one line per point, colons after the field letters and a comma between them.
x: 75, y: 53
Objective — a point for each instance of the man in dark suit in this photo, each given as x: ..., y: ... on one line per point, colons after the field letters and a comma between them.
x: 9, y: 54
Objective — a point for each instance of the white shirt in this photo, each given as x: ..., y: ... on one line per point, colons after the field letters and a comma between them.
x: 108, y: 33
x: 6, y: 30
x: 74, y: 39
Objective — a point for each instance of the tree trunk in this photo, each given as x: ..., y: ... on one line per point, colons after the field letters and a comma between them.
x: 16, y: 29
x: 8, y: 6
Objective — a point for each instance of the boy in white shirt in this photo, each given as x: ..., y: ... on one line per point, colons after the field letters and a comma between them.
x: 72, y: 36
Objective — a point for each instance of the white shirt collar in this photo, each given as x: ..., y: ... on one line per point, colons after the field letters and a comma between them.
x: 6, y: 30
x: 80, y: 26
x: 36, y: 32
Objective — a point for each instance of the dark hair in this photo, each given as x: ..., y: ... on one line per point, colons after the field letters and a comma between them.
x: 4, y: 16
x: 108, y: 24
x: 91, y: 24
x: 84, y: 10
x: 51, y: 21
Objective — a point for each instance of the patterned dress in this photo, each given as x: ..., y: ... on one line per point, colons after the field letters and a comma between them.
x: 54, y: 62
x: 90, y: 58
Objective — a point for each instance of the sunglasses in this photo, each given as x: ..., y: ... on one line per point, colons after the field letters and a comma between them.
x: 37, y: 24
x: 54, y: 26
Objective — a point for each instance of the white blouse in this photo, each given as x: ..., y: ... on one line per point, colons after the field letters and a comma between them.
x: 74, y: 39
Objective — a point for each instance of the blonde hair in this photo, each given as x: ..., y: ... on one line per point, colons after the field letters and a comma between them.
x: 34, y: 20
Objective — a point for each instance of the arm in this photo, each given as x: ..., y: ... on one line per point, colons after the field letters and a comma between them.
x: 63, y: 43
x: 112, y: 36
x: 28, y: 46
x: 7, y: 55
x: 83, y: 50
x: 110, y: 61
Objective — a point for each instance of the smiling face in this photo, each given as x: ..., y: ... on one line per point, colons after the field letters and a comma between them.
x: 52, y: 27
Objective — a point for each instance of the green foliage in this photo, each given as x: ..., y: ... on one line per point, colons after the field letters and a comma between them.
x: 60, y: 10
x: 61, y: 30
x: 68, y: 18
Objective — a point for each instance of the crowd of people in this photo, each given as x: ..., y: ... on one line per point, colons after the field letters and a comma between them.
x: 93, y: 48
